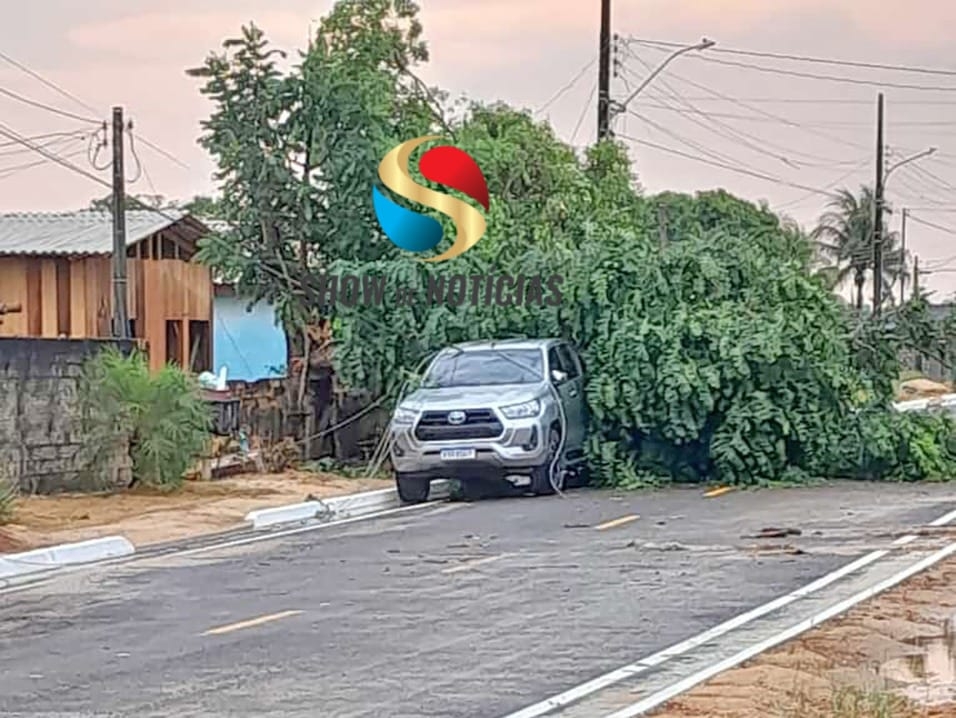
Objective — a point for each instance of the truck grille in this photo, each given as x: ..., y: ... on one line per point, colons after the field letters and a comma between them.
x: 478, y: 424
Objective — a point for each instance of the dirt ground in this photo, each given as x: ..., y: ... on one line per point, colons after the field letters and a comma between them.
x: 920, y: 388
x: 891, y: 657
x: 146, y: 517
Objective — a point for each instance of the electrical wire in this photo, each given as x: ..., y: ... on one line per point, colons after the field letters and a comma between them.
x: 159, y: 150
x: 48, y: 83
x: 942, y: 228
x: 807, y: 58
x: 739, y: 170
x: 132, y: 150
x: 6, y: 172
x: 42, y: 106
x: 830, y: 78
x: 87, y: 106
x: 14, y: 135
x: 567, y: 87
x: 761, y: 112
x: 48, y: 144
x: 584, y: 112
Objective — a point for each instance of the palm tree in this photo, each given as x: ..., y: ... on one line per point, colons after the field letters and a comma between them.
x: 844, y: 240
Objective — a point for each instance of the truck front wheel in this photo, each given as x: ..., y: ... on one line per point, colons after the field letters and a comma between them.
x: 412, y: 489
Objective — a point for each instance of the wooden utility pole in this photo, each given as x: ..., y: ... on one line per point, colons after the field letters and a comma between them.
x: 903, y: 254
x: 915, y: 277
x: 604, y: 73
x: 120, y: 314
x: 878, y: 213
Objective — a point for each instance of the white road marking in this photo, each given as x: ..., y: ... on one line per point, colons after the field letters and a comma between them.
x: 249, y: 623
x: 656, y: 699
x: 645, y: 664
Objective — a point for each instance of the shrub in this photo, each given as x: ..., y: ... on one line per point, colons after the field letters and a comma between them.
x: 160, y: 417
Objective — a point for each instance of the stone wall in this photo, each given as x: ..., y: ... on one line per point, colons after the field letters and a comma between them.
x: 39, y: 436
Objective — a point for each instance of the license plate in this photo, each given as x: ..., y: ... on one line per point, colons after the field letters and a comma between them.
x: 457, y: 454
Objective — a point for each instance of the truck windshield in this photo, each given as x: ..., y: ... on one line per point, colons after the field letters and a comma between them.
x: 484, y: 368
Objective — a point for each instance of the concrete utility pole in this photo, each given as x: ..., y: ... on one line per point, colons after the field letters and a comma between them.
x: 878, y: 213
x: 604, y: 73
x: 120, y: 314
x: 903, y: 254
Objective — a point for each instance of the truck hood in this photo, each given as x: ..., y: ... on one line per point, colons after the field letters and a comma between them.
x: 472, y: 397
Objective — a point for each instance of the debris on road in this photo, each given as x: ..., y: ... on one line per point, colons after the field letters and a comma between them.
x: 773, y: 533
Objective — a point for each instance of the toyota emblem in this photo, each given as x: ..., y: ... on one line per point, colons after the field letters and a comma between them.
x: 456, y: 417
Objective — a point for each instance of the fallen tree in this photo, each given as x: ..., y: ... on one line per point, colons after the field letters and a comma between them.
x: 713, y: 352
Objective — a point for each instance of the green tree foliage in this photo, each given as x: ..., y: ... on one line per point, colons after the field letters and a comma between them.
x: 160, y: 417
x: 713, y: 352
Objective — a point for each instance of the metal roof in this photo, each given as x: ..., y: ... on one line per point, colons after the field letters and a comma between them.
x: 83, y: 232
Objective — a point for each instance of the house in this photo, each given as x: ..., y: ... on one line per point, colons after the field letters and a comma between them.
x: 58, y: 268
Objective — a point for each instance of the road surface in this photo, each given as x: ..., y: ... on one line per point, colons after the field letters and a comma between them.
x: 453, y: 611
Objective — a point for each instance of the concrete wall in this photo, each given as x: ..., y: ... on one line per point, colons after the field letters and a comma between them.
x: 247, y: 343
x: 39, y: 437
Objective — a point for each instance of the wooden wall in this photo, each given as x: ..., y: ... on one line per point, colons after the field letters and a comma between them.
x: 72, y: 297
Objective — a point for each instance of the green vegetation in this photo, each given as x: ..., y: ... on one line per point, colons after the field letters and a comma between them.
x: 159, y: 418
x: 714, y: 347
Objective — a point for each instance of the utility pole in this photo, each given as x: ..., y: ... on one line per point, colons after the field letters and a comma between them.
x: 120, y: 315
x: 915, y: 277
x: 878, y: 213
x: 604, y: 73
x: 903, y: 255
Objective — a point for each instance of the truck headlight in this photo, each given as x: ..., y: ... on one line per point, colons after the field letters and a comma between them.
x: 523, y: 410
x: 403, y: 416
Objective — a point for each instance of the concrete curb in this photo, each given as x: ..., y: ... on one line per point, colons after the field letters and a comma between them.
x: 338, y: 507
x: 52, y: 557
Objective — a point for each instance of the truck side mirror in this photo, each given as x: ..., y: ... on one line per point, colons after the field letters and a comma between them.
x: 558, y: 376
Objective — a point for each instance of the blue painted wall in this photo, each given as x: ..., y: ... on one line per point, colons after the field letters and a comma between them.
x: 247, y: 343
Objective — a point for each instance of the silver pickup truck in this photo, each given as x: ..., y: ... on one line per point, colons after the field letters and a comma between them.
x: 512, y: 411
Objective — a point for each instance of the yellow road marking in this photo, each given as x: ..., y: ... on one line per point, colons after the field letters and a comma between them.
x: 718, y: 492
x: 617, y: 522
x: 250, y: 623
x: 471, y: 564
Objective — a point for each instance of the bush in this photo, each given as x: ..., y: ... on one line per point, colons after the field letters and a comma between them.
x: 161, y: 418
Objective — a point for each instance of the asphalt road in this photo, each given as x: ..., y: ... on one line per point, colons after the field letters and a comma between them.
x: 453, y: 611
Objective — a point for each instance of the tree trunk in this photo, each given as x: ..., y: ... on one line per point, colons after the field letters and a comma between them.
x: 859, y: 280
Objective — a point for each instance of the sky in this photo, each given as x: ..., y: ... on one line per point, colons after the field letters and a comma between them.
x: 710, y: 119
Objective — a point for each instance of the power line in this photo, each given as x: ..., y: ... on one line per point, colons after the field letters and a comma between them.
x: 17, y: 137
x: 810, y: 59
x: 762, y: 112
x: 822, y: 100
x: 10, y: 171
x: 948, y: 230
x: 164, y: 153
x: 731, y: 168
x: 830, y: 78
x: 584, y: 112
x: 85, y: 105
x: 48, y: 83
x: 48, y: 108
x: 568, y: 86
x: 48, y: 143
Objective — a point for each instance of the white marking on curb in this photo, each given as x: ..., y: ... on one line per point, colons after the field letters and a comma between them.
x: 284, y: 514
x: 575, y: 694
x: 337, y: 507
x: 656, y: 699
x: 44, y: 559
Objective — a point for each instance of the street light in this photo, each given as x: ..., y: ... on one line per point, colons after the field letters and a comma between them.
x: 906, y: 160
x: 617, y: 108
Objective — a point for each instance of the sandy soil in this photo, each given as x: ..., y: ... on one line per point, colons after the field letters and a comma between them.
x: 892, y: 657
x: 146, y: 517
